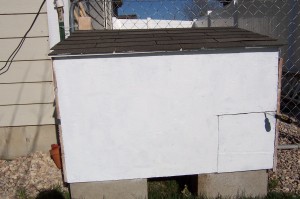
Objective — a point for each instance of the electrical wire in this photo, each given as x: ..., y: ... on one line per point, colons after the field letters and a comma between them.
x: 15, y: 52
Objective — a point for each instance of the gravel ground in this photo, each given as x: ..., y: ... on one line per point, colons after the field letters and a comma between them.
x: 31, y: 173
x: 287, y: 176
x: 288, y: 134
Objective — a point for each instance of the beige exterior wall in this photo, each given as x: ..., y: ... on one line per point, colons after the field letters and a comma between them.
x: 27, y: 96
x: 23, y: 22
x: 19, y: 141
x: 21, y: 7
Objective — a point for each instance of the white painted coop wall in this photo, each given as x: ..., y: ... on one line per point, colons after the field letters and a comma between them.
x: 152, y: 116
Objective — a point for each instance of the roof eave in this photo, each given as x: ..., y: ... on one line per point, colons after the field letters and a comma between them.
x: 247, y: 48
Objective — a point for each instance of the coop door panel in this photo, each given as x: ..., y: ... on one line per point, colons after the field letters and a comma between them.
x: 246, y: 142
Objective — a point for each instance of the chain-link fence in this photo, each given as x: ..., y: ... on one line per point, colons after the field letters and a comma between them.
x: 275, y: 18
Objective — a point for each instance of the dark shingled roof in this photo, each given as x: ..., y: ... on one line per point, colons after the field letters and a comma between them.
x: 158, y: 40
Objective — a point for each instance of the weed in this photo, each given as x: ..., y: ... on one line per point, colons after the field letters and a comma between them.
x: 272, y: 184
x: 21, y: 193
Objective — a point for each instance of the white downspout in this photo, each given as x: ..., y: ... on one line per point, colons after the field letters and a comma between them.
x: 53, y: 27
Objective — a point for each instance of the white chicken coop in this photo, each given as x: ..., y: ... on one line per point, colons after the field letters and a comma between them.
x: 166, y: 102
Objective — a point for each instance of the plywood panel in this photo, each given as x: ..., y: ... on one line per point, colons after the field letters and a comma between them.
x: 17, y: 25
x: 27, y: 71
x: 246, y: 142
x: 24, y: 115
x: 32, y: 49
x: 147, y: 115
x: 21, y: 6
x: 158, y: 115
x: 26, y: 93
x: 244, y: 86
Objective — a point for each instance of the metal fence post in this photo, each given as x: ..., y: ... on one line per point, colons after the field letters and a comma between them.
x: 236, y: 14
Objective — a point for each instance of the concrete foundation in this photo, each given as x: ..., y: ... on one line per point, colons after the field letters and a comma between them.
x: 249, y: 183
x: 20, y: 141
x: 123, y: 189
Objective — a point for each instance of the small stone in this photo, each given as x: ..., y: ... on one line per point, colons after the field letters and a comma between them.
x: 288, y: 161
x: 33, y: 172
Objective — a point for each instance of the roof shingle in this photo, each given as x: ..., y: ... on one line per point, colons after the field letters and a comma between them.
x: 157, y: 40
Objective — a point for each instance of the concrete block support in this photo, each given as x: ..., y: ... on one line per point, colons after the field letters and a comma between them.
x: 123, y: 189
x: 249, y: 183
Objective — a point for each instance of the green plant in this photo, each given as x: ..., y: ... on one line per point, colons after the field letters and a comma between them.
x: 165, y: 188
x: 272, y: 184
x: 21, y: 193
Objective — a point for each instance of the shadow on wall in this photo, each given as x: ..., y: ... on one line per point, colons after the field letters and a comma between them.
x: 20, y: 138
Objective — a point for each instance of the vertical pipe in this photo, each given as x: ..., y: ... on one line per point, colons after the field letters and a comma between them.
x: 53, y: 26
x: 236, y: 14
x: 60, y: 12
x: 66, y: 17
x: 105, y: 14
x: 59, y: 4
x: 71, y: 18
x: 209, y: 18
